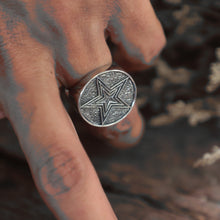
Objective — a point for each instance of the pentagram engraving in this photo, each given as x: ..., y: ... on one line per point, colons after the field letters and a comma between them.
x: 107, y: 98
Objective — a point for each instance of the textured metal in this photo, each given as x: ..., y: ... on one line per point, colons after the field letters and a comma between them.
x: 107, y: 98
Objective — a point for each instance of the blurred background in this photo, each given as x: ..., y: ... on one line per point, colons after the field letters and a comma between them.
x: 173, y: 173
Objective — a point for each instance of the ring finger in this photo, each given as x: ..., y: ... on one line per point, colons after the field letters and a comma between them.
x: 85, y: 53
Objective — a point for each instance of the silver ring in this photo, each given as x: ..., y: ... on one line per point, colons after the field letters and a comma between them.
x: 107, y: 98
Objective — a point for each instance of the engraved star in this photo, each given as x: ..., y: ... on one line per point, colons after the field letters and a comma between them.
x: 107, y: 98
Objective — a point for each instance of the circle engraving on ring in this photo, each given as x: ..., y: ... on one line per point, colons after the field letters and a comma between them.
x: 107, y: 98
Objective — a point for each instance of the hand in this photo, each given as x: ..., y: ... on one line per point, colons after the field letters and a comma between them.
x: 50, y: 41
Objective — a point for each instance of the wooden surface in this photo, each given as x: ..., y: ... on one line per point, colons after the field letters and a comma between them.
x: 153, y: 181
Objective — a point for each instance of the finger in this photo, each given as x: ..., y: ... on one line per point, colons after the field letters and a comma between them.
x: 138, y: 35
x: 126, y: 133
x: 93, y: 56
x: 85, y: 52
x: 60, y: 167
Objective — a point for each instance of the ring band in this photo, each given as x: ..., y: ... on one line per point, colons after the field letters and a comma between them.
x: 107, y: 98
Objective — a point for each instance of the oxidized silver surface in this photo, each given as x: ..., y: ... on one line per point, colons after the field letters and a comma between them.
x: 107, y: 98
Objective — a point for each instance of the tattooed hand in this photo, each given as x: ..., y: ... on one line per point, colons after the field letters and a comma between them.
x: 39, y: 38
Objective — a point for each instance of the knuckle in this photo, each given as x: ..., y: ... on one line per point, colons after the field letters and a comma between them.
x: 158, y: 42
x: 61, y: 173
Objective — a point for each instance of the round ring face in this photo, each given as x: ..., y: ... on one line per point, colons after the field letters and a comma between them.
x: 107, y: 98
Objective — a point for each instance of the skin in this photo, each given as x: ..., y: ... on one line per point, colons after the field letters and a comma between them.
x: 46, y: 43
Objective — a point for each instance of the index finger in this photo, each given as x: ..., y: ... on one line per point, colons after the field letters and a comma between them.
x: 60, y: 167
